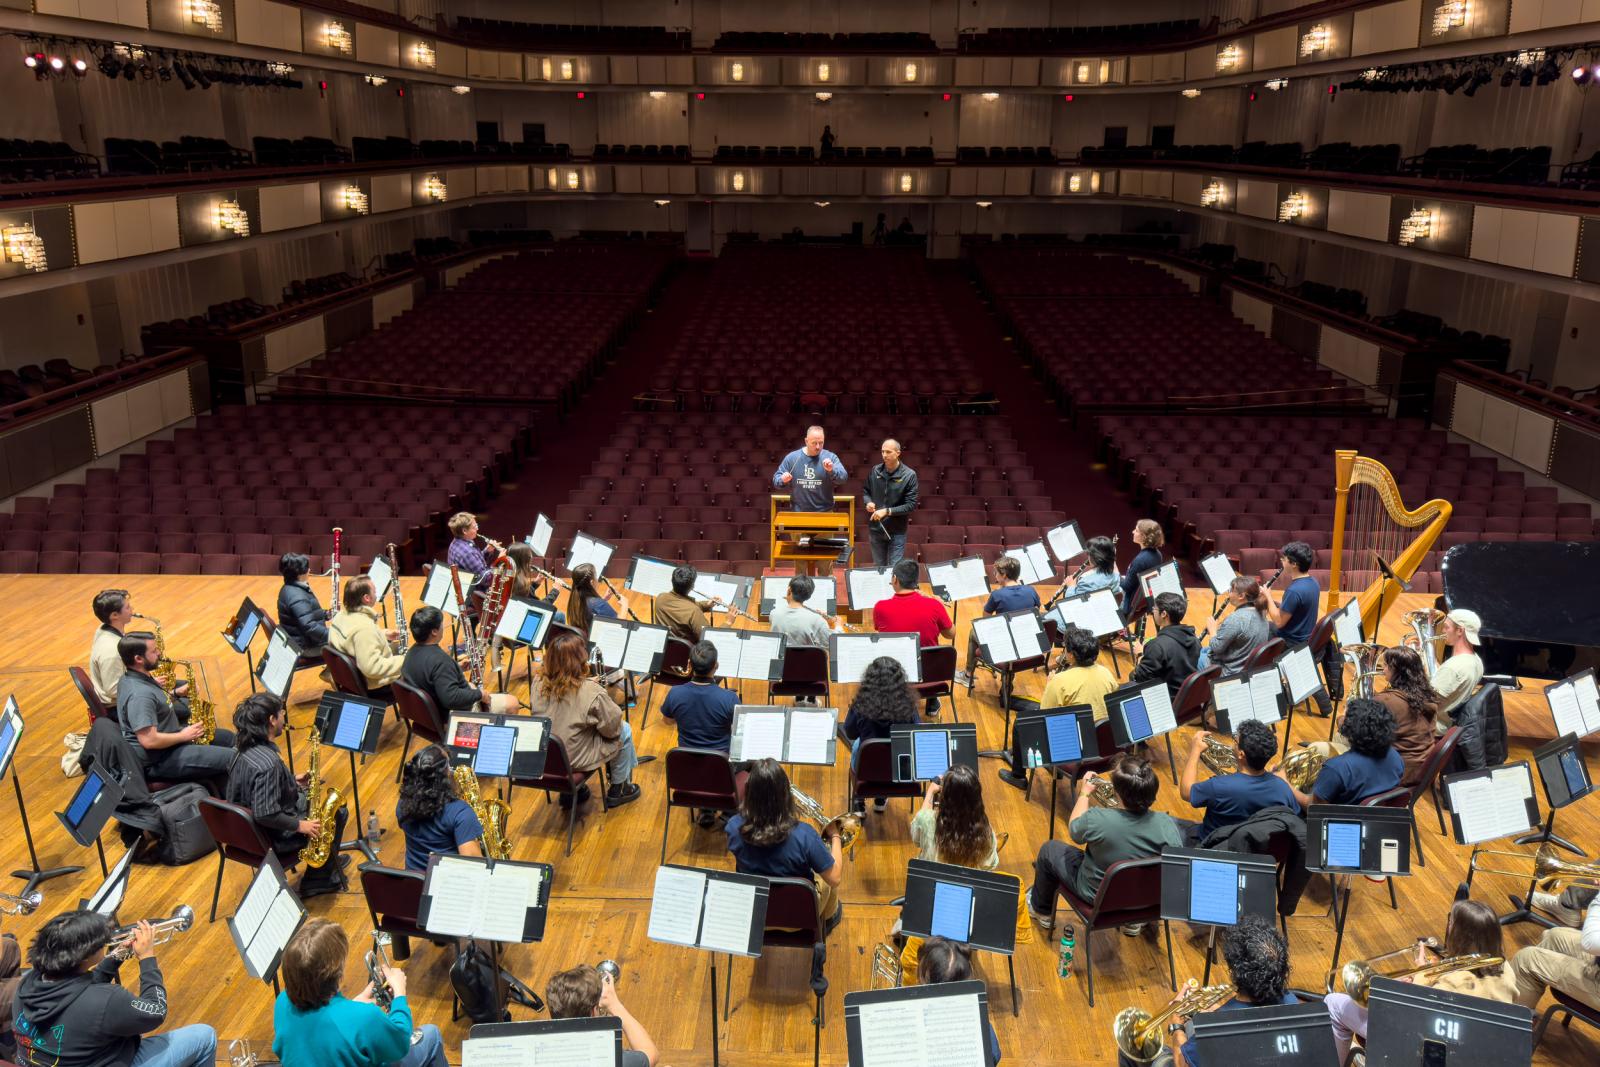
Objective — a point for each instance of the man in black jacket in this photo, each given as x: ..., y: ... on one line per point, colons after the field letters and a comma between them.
x: 891, y: 497
x: 1174, y: 652
x: 299, y: 612
x: 70, y: 1012
x: 434, y: 671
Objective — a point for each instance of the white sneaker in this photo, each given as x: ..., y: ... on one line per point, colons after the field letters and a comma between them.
x: 1550, y: 904
x: 1047, y: 923
x: 1132, y: 929
x: 964, y: 678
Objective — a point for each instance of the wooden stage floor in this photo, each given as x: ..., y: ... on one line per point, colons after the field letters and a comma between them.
x: 601, y: 895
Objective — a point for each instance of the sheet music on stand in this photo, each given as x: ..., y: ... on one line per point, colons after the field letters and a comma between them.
x: 788, y: 734
x: 1300, y: 674
x: 539, y: 540
x: 1011, y: 636
x: 753, y: 654
x: 276, y: 669
x: 1219, y: 573
x: 438, y: 591
x: 1164, y: 579
x: 1492, y: 803
x: 731, y: 589
x: 587, y: 1042
x: 649, y: 575
x: 382, y: 575
x: 586, y: 548
x: 1139, y: 713
x: 868, y: 586
x: 266, y: 919
x: 959, y: 579
x: 1066, y: 541
x: 525, y: 622
x: 943, y: 1025
x: 627, y: 645
x: 1347, y: 627
x: 492, y: 900
x: 719, y: 911
x: 1575, y: 704
x: 850, y: 654
x: 824, y: 593
x: 1035, y: 563
x: 109, y: 895
x: 1096, y: 612
x: 1256, y: 695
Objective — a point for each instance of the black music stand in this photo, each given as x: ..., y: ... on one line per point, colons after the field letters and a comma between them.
x: 1043, y: 738
x: 90, y: 808
x: 530, y: 928
x: 1565, y: 777
x: 1345, y: 839
x: 910, y: 996
x: 606, y: 1030
x: 1267, y: 1034
x: 976, y: 908
x: 241, y: 630
x: 353, y: 724
x: 11, y: 727
x: 1208, y: 887
x: 1410, y: 1024
x: 257, y: 946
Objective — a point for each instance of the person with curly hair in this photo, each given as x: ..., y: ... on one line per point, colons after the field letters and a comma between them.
x: 1258, y: 967
x: 430, y: 814
x: 584, y: 718
x: 767, y: 837
x: 1230, y: 799
x: 1370, y: 767
x: 882, y: 699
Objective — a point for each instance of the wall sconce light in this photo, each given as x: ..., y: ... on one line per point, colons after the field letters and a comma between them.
x: 1277, y: 83
x: 207, y: 13
x: 985, y: 203
x: 423, y: 54
x: 823, y: 98
x: 1371, y: 74
x: 662, y: 203
x: 657, y: 94
x: 910, y: 72
x: 905, y: 183
x: 24, y: 246
x: 1449, y: 15
x: 573, y: 181
x: 461, y: 90
x: 824, y: 72
x: 990, y: 97
x: 282, y: 70
x: 1315, y: 39
x: 354, y: 199
x: 1211, y: 195
x: 1075, y: 183
x: 566, y: 70
x: 738, y: 181
x: 1081, y: 73
x: 1416, y: 225
x: 736, y: 72
x: 545, y: 68
x: 821, y: 203
x: 229, y: 216
x: 1190, y: 94
x: 435, y: 189
x: 1230, y: 58
x: 375, y: 80
x: 1293, y: 208
x: 336, y: 37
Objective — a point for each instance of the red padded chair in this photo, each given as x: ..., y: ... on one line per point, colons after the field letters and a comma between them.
x: 792, y: 922
x: 674, y: 672
x: 98, y: 709
x: 347, y: 678
x: 805, y: 674
x: 1265, y: 656
x: 239, y: 839
x: 938, y: 675
x: 394, y: 899
x: 559, y: 778
x: 1570, y: 1007
x: 700, y: 778
x: 1190, y: 703
x: 872, y: 777
x: 421, y: 716
x: 1130, y: 892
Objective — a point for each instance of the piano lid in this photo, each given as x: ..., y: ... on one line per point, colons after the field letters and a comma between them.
x: 1539, y: 602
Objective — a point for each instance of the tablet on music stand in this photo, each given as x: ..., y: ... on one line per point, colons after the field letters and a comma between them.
x: 243, y: 626
x: 10, y: 733
x: 923, y: 751
x: 1561, y: 765
x: 1139, y: 713
x: 1217, y: 888
x: 1353, y: 839
x: 276, y: 669
x: 1055, y: 736
x: 525, y: 622
x: 96, y: 797
x: 350, y: 722
x: 965, y: 904
x: 492, y: 757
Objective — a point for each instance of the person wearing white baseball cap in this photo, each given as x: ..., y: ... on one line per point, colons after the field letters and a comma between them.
x: 1456, y: 678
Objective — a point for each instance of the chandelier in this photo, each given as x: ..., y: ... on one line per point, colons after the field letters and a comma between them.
x: 1416, y: 225
x: 1229, y: 58
x: 1211, y: 195
x: 1075, y: 184
x: 24, y: 246
x: 423, y: 54
x: 207, y: 13
x: 354, y: 199
x: 1448, y: 16
x: 434, y: 187
x: 336, y: 37
x: 1292, y: 208
x: 230, y: 216
x: 1315, y: 39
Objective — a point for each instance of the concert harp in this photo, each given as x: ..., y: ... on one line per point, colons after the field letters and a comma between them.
x: 1370, y: 520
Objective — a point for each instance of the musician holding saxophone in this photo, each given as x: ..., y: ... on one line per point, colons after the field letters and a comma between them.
x: 1230, y: 799
x: 157, y: 727
x: 431, y: 814
x: 430, y: 668
x: 71, y: 1011
x: 768, y: 837
x: 315, y: 1025
x: 260, y: 781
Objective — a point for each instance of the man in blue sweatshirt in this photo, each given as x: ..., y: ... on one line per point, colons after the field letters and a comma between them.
x: 809, y: 474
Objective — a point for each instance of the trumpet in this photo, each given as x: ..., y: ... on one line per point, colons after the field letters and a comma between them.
x: 1301, y: 768
x: 1102, y: 794
x: 1545, y: 867
x: 378, y: 961
x: 240, y: 1054
x: 12, y: 904
x: 1140, y: 1036
x: 1368, y: 663
x: 121, y: 943
x: 1218, y: 755
x: 849, y: 824
x: 1356, y: 976
x: 887, y: 970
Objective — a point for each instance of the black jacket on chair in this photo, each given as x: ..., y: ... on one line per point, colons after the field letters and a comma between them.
x: 106, y: 749
x: 1482, y: 719
x: 1251, y: 836
x: 302, y: 618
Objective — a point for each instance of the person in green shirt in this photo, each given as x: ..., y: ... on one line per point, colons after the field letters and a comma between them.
x: 314, y: 1025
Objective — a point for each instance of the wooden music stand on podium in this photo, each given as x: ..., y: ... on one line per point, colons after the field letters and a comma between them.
x: 788, y: 527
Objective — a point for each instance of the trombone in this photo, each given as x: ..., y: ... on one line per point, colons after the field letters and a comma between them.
x: 1356, y: 976
x: 1140, y: 1036
x: 121, y: 943
x: 11, y: 904
x: 1545, y: 867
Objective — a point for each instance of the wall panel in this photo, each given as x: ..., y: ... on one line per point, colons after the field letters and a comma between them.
x: 284, y: 207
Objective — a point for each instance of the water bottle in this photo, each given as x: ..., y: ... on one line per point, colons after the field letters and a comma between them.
x: 374, y: 831
x: 1068, y: 943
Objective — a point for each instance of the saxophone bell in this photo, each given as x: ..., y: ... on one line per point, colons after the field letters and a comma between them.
x: 322, y: 807
x: 493, y: 813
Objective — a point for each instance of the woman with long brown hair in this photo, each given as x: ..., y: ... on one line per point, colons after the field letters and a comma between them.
x: 585, y: 603
x: 767, y: 837
x: 584, y: 718
x: 1412, y: 701
x: 1235, y: 639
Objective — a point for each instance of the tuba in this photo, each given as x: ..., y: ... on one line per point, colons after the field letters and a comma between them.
x: 1423, y: 637
x: 322, y: 804
x: 1218, y: 755
x: 492, y: 812
x: 399, y: 605
x: 1545, y: 867
x: 1356, y: 976
x: 1301, y: 768
x: 1367, y: 660
x: 849, y: 823
x: 1140, y: 1036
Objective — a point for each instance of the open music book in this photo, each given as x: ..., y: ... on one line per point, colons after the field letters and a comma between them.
x: 959, y: 579
x: 439, y: 591
x: 868, y: 586
x: 1257, y: 695
x: 1012, y: 636
x: 932, y: 1030
x: 1066, y: 541
x: 545, y: 1043
x: 1492, y: 803
x: 266, y: 919
x: 1164, y: 579
x: 586, y: 548
x: 1095, y: 612
x: 1219, y: 573
x: 650, y: 576
x: 714, y: 910
x: 752, y: 654
x: 496, y: 900
x: 1347, y: 628
x: 1300, y: 674
x: 276, y: 669
x: 1575, y: 704
x: 787, y: 734
x: 1035, y: 563
x: 627, y: 645
x: 850, y: 654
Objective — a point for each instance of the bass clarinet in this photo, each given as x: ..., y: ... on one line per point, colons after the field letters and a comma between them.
x: 399, y: 605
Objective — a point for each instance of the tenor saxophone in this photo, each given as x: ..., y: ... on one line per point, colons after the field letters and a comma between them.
x: 322, y: 805
x: 493, y: 813
x: 201, y: 709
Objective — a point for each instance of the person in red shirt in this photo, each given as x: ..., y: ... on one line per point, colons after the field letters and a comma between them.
x: 912, y: 611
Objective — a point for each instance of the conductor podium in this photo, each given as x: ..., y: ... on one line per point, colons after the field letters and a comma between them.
x: 811, y: 540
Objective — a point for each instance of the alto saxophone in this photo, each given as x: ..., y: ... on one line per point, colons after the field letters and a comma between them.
x: 322, y: 805
x: 201, y: 709
x: 399, y: 606
x: 493, y: 813
x: 166, y: 671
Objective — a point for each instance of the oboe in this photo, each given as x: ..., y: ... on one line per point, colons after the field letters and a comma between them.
x: 621, y: 600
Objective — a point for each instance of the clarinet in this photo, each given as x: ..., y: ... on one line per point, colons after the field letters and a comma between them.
x: 399, y: 606
x: 333, y: 571
x: 1070, y: 582
x: 620, y: 598
x: 474, y: 656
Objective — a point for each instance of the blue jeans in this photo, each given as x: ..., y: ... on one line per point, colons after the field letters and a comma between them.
x: 187, y: 1046
x: 620, y: 767
x: 427, y: 1052
x: 887, y: 549
x: 1205, y: 658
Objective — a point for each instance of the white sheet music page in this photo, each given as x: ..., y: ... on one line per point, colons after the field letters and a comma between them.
x: 868, y: 586
x: 530, y: 735
x: 1035, y: 562
x: 935, y: 1032
x: 580, y: 552
x: 1565, y: 710
x: 381, y: 574
x: 281, y: 921
x: 675, y: 906
x: 513, y: 889
x: 811, y: 735
x: 715, y: 586
x: 583, y: 1048
x: 610, y: 637
x: 855, y: 652
x: 1218, y: 571
x: 439, y: 592
x: 971, y: 579
x: 904, y: 649
x: 650, y: 576
x: 1347, y: 625
x: 511, y: 619
x: 252, y: 911
x: 1232, y: 696
x: 760, y: 736
x: 1588, y: 700
x: 542, y: 529
x: 995, y: 635
x: 1158, y: 702
x: 1165, y: 580
x: 644, y: 645
x: 1264, y: 690
x: 730, y: 907
x: 760, y: 655
x: 1096, y: 612
x: 1065, y: 542
x: 277, y: 666
x: 499, y: 1052
x: 1300, y: 674
x: 456, y: 888
x: 1027, y: 633
x: 727, y: 643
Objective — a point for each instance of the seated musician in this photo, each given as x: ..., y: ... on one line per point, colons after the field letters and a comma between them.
x: 943, y: 960
x: 300, y: 613
x: 10, y: 978
x: 1294, y: 617
x: 1258, y: 968
x: 1148, y: 536
x: 260, y: 781
x: 1238, y: 637
x: 114, y: 609
x: 767, y: 837
x: 314, y: 1025
x: 1230, y: 799
x: 585, y: 603
x: 584, y: 718
x: 430, y: 814
x: 582, y: 993
x: 525, y: 581
x: 798, y: 623
x: 355, y: 632
x: 1455, y: 679
x: 1102, y: 572
x: 1370, y: 767
x: 702, y: 709
x: 882, y: 699
x: 1174, y: 652
x: 70, y: 1010
x: 1414, y: 706
x: 1106, y: 835
x: 1009, y: 595
x: 428, y: 667
x: 1079, y: 678
x: 912, y: 611
x: 464, y: 553
x: 682, y: 615
x: 1471, y: 929
x: 1565, y: 958
x: 158, y: 728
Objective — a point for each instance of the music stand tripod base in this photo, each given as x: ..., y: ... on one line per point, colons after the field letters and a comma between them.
x: 33, y: 875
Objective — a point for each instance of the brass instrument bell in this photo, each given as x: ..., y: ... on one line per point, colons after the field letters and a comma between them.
x: 1217, y: 755
x: 849, y: 823
x: 1544, y: 866
x: 1141, y: 1036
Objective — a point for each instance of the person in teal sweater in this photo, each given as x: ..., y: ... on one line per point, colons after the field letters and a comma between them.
x: 314, y: 1025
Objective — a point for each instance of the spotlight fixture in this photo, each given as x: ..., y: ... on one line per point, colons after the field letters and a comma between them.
x: 24, y: 246
x: 423, y: 55
x: 229, y: 216
x: 1277, y: 83
x: 375, y: 80
x: 461, y: 90
x: 1229, y: 58
x: 33, y: 60
x: 1316, y: 39
x: 183, y: 75
x: 1450, y: 15
x: 909, y: 73
x: 57, y: 64
x: 1211, y: 195
x: 736, y: 72
x: 434, y: 187
x: 990, y: 97
x: 1189, y: 94
x: 738, y: 181
x: 905, y: 183
x: 80, y: 66
x: 1293, y: 207
x: 354, y: 199
x: 336, y: 37
x: 823, y: 98
x: 1581, y: 74
x: 206, y: 13
x: 1075, y: 183
x: 1417, y: 224
x: 824, y: 72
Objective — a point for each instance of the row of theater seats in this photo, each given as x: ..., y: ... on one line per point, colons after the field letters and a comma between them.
x: 32, y: 379
x: 1010, y: 154
x: 22, y: 160
x: 503, y: 33
x: 679, y: 152
x: 776, y: 41
x: 300, y: 152
x: 1464, y: 162
x: 1468, y: 162
x: 127, y: 155
x: 1031, y: 40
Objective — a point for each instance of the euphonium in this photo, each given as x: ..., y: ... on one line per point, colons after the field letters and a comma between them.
x: 1140, y: 1036
x: 11, y: 904
x: 492, y: 812
x: 322, y: 805
x: 1367, y: 661
x: 377, y: 962
x: 849, y: 823
x: 1544, y: 866
x: 1301, y: 768
x: 886, y: 967
x: 201, y: 709
x: 399, y: 605
x: 1218, y: 755
x: 1423, y: 637
x: 1102, y: 794
x: 1356, y: 976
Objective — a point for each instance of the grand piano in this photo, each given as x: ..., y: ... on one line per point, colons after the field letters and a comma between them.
x: 1539, y: 602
